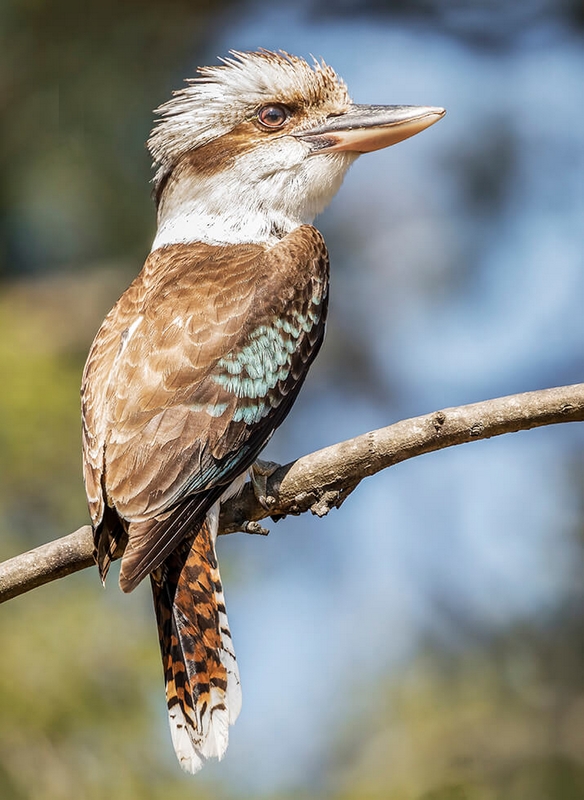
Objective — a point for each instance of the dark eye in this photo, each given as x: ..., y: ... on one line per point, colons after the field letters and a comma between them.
x: 273, y: 116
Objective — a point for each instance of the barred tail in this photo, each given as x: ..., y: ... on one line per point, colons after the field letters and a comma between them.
x: 200, y: 671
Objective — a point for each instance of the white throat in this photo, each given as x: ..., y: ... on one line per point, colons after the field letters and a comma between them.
x: 259, y: 198
x: 215, y: 212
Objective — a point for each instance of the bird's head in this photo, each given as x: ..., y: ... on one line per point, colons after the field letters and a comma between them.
x: 252, y: 148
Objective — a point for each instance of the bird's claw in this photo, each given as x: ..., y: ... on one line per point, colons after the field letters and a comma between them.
x: 260, y: 472
x: 254, y: 527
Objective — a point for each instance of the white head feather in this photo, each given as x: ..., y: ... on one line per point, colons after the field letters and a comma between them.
x: 222, y: 96
x: 269, y: 189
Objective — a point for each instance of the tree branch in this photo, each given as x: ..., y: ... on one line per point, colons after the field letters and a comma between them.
x: 322, y: 480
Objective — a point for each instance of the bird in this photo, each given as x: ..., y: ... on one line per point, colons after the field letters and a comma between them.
x: 202, y: 357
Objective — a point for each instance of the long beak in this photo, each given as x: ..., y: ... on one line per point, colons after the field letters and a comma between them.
x: 363, y: 129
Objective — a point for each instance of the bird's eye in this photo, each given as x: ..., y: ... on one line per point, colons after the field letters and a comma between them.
x: 273, y: 116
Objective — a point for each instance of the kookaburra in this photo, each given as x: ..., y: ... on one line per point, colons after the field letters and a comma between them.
x: 203, y: 356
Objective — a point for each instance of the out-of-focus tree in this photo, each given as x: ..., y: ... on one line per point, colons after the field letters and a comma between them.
x: 77, y: 85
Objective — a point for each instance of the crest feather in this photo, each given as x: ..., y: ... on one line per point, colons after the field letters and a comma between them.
x: 224, y: 95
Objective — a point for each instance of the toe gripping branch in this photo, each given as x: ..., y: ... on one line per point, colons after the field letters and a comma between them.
x: 259, y: 474
x: 319, y: 500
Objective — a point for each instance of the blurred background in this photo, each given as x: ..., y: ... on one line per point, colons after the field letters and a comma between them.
x: 440, y: 612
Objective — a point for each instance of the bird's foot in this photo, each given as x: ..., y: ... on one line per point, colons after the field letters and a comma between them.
x: 260, y: 472
x: 254, y: 527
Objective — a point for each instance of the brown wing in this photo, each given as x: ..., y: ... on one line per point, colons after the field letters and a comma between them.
x: 96, y: 383
x: 198, y: 364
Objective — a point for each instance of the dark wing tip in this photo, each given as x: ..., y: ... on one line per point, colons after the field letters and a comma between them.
x: 135, y: 560
x: 129, y: 583
x: 150, y: 542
